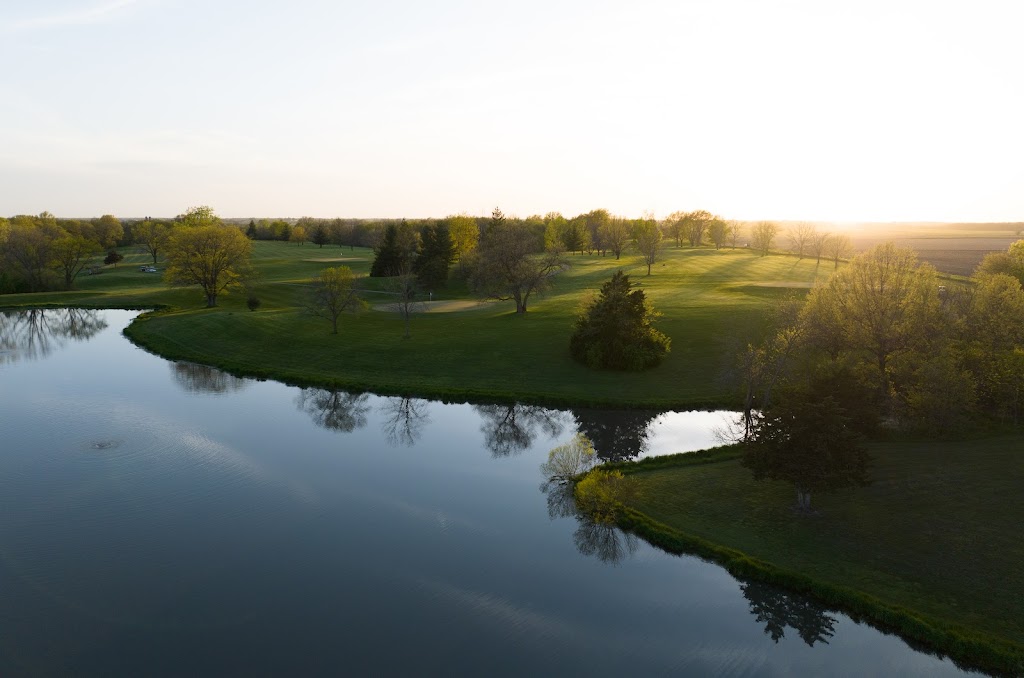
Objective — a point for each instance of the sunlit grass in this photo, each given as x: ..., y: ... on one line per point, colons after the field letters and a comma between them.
x: 709, y: 301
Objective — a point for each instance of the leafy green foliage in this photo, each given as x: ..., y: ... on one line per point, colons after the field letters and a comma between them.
x: 615, y: 331
x: 807, y: 442
x: 600, y: 493
x: 215, y: 257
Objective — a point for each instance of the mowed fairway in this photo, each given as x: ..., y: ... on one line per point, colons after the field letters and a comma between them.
x: 710, y: 301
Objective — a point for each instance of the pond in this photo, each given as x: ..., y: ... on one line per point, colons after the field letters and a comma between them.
x: 164, y: 518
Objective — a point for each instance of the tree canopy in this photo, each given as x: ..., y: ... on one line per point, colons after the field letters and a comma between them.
x: 212, y: 256
x: 506, y: 266
x: 808, y: 442
x: 647, y: 237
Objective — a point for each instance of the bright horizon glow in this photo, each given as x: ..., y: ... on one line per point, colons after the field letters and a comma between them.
x: 901, y: 110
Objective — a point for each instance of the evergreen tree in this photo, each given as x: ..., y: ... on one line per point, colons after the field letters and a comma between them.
x: 113, y: 256
x: 437, y: 252
x: 390, y: 257
x: 615, y: 330
x: 320, y: 235
x: 250, y: 232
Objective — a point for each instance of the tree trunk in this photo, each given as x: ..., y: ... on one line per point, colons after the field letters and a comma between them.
x: 211, y: 300
x: 520, y: 302
x: 803, y: 499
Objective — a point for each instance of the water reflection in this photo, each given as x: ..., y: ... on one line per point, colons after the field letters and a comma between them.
x: 600, y: 539
x: 196, y: 378
x: 510, y: 429
x: 777, y: 609
x: 334, y: 409
x: 403, y: 420
x: 617, y: 435
x: 36, y: 333
x: 603, y: 540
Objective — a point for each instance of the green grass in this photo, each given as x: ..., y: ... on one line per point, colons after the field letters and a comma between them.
x: 708, y: 299
x: 932, y: 548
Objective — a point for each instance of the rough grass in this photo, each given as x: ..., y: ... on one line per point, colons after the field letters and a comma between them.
x: 932, y: 548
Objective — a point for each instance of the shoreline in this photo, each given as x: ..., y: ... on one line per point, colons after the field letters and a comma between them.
x: 968, y: 647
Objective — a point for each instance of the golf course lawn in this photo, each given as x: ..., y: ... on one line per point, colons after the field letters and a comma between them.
x: 711, y: 302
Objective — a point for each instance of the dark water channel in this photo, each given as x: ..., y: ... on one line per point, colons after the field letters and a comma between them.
x: 163, y: 518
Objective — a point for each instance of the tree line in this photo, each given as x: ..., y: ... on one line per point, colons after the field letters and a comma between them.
x: 43, y: 252
x: 882, y: 346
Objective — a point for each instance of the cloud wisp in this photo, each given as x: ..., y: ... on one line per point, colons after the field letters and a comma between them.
x: 77, y: 17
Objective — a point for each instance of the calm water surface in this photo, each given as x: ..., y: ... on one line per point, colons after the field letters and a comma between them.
x: 162, y: 518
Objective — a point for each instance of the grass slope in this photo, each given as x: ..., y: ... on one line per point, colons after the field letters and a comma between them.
x: 708, y: 300
x: 936, y: 534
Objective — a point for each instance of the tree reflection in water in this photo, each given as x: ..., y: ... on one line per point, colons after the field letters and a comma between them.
x: 334, y: 409
x: 510, y: 429
x: 403, y: 420
x: 777, y: 609
x: 196, y: 378
x: 36, y: 333
x: 604, y: 540
x: 618, y: 435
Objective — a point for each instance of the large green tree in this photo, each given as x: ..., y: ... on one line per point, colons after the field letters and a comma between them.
x: 882, y: 304
x: 465, y: 235
x: 107, y: 231
x: 647, y: 237
x: 153, y: 236
x: 70, y: 255
x: 615, y: 330
x: 215, y: 257
x: 615, y: 235
x: 807, y: 441
x: 1010, y: 262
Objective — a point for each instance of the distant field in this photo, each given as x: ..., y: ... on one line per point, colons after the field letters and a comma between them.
x: 958, y: 255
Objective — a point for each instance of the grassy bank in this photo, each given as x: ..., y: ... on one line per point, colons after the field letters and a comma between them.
x: 932, y: 549
x: 709, y: 300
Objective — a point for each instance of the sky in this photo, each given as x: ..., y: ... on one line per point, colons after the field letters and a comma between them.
x: 867, y: 110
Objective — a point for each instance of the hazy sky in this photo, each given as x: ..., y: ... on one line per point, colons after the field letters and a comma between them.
x: 784, y: 109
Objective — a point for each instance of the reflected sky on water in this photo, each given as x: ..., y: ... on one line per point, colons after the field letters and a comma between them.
x: 164, y: 518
